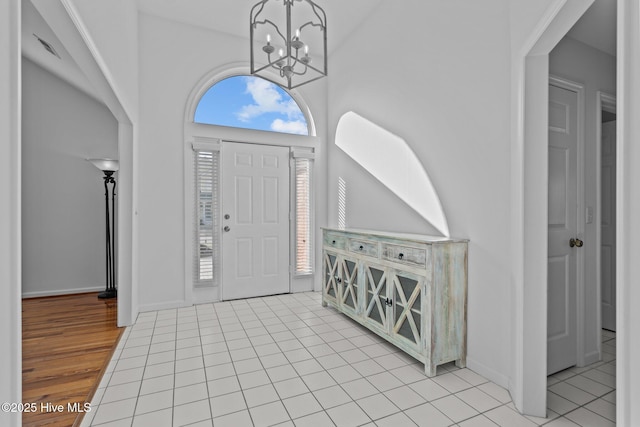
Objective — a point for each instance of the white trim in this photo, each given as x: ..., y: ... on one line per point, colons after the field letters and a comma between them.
x: 205, y: 144
x: 604, y: 101
x: 496, y: 377
x: 193, y: 131
x: 581, y: 307
x: 38, y: 294
x: 302, y: 153
x: 127, y: 235
x: 189, y: 201
x: 537, y: 42
x: 10, y: 209
x: 164, y: 306
x: 529, y: 165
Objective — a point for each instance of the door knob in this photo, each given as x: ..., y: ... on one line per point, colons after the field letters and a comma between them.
x: 226, y: 228
x: 576, y: 242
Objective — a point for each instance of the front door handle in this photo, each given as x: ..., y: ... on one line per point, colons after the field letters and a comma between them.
x: 576, y: 242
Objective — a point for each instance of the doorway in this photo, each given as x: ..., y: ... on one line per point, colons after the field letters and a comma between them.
x: 564, y: 245
x: 530, y: 161
x: 606, y: 109
x: 255, y: 220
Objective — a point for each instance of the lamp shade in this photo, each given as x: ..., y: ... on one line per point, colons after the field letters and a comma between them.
x: 105, y: 164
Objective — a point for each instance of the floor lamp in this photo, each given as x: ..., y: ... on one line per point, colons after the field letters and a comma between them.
x: 109, y: 167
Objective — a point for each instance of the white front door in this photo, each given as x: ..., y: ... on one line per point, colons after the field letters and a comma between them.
x: 563, y: 196
x: 255, y: 220
x: 608, y: 225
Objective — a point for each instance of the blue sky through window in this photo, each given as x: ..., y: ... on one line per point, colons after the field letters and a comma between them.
x: 251, y: 103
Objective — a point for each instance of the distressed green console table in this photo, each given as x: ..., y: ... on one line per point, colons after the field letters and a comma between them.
x: 409, y: 289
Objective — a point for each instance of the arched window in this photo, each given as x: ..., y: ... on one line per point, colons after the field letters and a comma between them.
x: 250, y: 102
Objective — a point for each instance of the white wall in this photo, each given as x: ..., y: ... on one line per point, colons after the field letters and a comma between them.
x: 595, y: 70
x: 173, y: 58
x: 112, y: 27
x: 10, y: 275
x: 63, y: 228
x: 628, y: 210
x: 437, y: 75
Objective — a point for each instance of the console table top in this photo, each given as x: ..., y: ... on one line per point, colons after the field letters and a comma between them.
x: 420, y: 238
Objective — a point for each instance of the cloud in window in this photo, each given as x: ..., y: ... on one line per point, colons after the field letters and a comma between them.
x: 249, y: 102
x: 267, y: 99
x: 296, y: 127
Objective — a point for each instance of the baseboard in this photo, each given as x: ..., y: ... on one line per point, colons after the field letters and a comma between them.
x: 180, y: 304
x: 205, y: 295
x: 592, y: 357
x: 163, y: 306
x: 39, y: 294
x: 490, y: 374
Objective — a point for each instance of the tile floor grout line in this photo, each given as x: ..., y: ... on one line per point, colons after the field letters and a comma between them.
x: 298, y: 315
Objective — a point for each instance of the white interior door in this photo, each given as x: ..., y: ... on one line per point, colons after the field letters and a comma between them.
x: 608, y: 225
x: 255, y: 220
x: 563, y: 197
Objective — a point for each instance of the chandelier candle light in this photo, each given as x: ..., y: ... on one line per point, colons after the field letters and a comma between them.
x: 296, y: 41
x: 109, y: 167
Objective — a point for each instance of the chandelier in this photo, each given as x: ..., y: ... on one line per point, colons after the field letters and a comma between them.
x: 290, y: 41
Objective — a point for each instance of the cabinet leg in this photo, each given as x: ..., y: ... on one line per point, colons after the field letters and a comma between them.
x: 324, y: 303
x: 462, y: 362
x: 430, y: 369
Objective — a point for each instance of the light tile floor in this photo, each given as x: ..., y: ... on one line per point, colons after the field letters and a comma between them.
x: 287, y: 361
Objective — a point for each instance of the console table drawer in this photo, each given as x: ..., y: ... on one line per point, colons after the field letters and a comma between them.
x: 335, y: 241
x: 405, y: 255
x: 364, y: 247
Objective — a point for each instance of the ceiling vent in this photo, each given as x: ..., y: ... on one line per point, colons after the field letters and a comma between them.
x: 47, y: 46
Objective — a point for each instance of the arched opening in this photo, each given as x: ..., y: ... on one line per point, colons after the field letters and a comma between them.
x: 233, y: 114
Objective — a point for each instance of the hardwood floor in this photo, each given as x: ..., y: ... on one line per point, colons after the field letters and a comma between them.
x: 66, y: 343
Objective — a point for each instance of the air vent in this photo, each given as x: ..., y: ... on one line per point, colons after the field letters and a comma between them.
x: 47, y: 46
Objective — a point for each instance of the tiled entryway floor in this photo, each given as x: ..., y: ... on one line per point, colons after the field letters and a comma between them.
x: 287, y: 361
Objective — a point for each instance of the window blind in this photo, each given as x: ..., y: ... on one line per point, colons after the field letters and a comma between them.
x: 303, y: 214
x: 206, y: 218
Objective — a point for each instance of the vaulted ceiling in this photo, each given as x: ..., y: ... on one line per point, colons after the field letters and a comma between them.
x: 596, y: 28
x: 232, y: 16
